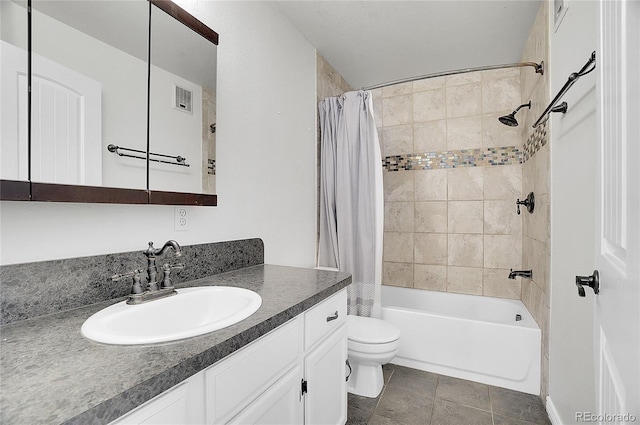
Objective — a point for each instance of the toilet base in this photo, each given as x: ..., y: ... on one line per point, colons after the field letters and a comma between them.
x: 366, y: 380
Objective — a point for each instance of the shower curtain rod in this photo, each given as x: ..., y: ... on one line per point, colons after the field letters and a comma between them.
x: 539, y: 70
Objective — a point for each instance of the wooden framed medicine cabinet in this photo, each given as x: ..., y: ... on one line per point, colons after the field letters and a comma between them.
x: 140, y: 75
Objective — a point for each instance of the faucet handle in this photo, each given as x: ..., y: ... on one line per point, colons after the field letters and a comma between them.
x: 166, y: 269
x: 174, y: 266
x: 118, y: 277
x: 136, y: 288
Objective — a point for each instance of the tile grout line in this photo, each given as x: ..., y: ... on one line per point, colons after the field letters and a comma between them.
x: 493, y: 420
x: 433, y: 404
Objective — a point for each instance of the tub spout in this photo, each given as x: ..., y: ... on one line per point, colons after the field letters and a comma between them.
x: 522, y: 273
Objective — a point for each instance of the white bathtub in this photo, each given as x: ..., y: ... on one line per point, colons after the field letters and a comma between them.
x: 466, y: 336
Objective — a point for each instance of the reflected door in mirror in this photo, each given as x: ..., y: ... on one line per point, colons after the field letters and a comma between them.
x: 89, y: 90
x: 13, y: 86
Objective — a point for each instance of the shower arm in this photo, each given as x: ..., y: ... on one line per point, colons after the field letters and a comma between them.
x: 539, y: 67
x: 522, y: 106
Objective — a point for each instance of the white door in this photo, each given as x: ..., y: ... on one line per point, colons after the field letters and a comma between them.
x: 617, y: 317
x: 13, y: 112
x: 66, y: 125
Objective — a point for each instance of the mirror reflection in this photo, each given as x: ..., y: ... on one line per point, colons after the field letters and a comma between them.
x: 13, y: 86
x: 89, y: 90
x: 182, y: 115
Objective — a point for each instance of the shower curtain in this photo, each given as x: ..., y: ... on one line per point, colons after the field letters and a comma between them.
x: 351, y: 198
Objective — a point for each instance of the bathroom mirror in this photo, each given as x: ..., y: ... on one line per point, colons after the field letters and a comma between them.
x: 88, y: 90
x: 182, y: 113
x: 14, y: 171
x: 90, y: 125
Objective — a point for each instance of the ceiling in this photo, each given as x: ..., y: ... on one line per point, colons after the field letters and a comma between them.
x: 374, y: 42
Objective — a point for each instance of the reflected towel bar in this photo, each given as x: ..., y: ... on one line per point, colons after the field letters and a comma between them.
x: 179, y: 160
x: 586, y: 69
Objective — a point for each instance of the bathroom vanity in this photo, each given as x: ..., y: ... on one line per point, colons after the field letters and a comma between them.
x: 293, y: 375
x: 284, y: 364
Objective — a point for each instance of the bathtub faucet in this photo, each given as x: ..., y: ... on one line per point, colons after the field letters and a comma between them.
x: 522, y: 273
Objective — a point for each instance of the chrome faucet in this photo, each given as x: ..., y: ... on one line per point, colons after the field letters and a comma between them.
x: 522, y: 273
x: 151, y: 292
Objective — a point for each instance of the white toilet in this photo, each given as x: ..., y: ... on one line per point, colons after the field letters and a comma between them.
x: 370, y: 344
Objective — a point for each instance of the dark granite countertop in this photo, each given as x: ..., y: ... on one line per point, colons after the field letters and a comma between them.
x: 51, y: 374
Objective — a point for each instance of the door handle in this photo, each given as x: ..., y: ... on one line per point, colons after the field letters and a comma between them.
x: 592, y: 281
x: 334, y: 317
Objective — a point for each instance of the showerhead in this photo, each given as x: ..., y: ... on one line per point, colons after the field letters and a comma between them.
x: 510, y: 119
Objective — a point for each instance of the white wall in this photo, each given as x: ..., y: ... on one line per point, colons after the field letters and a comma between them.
x: 573, y: 166
x: 266, y: 152
x: 174, y: 132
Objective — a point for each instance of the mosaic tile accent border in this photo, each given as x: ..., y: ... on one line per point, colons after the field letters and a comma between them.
x: 505, y: 155
x: 535, y: 142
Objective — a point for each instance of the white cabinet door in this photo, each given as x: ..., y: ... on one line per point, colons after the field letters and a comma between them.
x: 182, y: 404
x: 235, y: 382
x: 326, y: 398
x: 279, y: 405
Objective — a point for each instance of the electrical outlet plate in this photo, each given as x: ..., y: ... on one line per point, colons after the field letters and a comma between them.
x: 181, y: 219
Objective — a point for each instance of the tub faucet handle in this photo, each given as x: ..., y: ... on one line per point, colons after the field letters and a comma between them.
x: 529, y: 203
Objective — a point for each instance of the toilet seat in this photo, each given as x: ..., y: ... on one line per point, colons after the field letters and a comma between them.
x: 368, y: 330
x: 366, y: 348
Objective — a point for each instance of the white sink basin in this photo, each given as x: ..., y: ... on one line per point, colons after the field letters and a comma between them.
x: 194, y: 311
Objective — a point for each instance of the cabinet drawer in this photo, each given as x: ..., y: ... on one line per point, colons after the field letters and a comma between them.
x: 324, y: 318
x: 235, y: 382
x: 182, y: 404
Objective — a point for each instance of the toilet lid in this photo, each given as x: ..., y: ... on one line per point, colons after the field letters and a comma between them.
x: 370, y: 330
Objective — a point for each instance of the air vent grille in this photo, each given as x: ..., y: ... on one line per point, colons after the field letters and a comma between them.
x: 183, y: 99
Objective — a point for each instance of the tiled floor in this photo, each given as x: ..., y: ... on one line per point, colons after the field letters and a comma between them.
x: 414, y: 397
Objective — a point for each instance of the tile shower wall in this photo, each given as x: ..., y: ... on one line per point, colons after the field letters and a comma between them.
x: 536, y: 178
x: 452, y: 176
x: 329, y: 81
x: 208, y: 141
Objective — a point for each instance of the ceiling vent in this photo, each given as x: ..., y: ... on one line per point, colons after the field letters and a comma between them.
x: 183, y: 99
